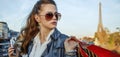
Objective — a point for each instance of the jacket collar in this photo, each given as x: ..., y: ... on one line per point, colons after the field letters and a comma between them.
x: 55, y: 34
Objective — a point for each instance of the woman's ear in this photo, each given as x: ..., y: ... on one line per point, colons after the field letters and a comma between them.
x: 37, y: 18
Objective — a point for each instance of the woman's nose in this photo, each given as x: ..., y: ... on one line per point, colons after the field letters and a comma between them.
x: 54, y: 17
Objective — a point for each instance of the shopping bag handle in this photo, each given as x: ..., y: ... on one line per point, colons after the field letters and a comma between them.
x: 95, y: 49
x: 83, y: 53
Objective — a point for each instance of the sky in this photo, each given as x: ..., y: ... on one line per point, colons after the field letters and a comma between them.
x: 79, y: 17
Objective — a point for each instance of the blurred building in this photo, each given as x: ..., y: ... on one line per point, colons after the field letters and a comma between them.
x: 13, y: 33
x: 88, y: 40
x: 4, y: 30
x: 5, y: 35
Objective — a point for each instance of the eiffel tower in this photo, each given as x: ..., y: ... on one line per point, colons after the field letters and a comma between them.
x: 101, y: 33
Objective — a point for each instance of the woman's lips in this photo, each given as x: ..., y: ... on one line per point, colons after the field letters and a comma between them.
x: 54, y: 23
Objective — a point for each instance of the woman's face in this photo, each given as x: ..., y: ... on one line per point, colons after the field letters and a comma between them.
x: 44, y: 17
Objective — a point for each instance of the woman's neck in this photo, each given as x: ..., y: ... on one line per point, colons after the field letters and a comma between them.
x: 43, y: 34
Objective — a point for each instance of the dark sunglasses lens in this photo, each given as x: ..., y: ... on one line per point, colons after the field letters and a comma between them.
x: 49, y: 16
x: 56, y: 15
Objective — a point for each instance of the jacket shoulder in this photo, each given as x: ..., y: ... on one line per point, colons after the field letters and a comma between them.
x: 60, y: 41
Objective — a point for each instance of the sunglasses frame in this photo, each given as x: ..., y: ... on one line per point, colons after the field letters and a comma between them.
x: 50, y: 15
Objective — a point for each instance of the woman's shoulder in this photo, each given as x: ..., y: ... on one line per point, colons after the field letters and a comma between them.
x: 57, y: 35
x: 59, y: 38
x: 60, y: 41
x: 63, y: 36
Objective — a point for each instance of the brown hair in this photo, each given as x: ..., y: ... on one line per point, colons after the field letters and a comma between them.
x: 31, y: 28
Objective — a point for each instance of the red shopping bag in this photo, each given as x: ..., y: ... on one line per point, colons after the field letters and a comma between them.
x: 98, y: 51
x: 101, y: 52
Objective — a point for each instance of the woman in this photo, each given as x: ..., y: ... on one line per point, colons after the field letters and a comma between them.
x: 40, y: 37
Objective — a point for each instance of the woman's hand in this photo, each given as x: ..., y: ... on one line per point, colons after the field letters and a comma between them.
x: 10, y: 52
x: 70, y: 45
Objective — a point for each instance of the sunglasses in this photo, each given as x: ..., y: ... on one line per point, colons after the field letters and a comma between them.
x: 50, y: 15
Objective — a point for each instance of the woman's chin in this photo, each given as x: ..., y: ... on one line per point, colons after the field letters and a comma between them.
x: 53, y: 27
